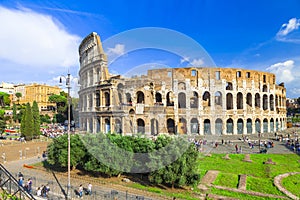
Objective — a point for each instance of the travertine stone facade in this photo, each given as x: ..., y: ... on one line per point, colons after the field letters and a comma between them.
x: 177, y: 100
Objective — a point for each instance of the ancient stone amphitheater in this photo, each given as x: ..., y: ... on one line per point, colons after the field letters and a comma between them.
x: 204, y: 101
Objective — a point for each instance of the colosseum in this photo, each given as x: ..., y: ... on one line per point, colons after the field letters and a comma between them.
x: 193, y: 100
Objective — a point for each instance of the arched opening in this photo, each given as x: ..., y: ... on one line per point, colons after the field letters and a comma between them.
x: 181, y: 100
x: 181, y: 86
x: 257, y: 100
x: 107, y: 125
x: 158, y: 98
x: 239, y: 101
x: 271, y: 102
x: 207, y: 129
x: 171, y: 126
x: 194, y: 100
x: 218, y: 99
x: 98, y: 125
x: 249, y: 99
x: 277, y: 125
x: 131, y: 112
x: 265, y: 88
x: 257, y: 126
x: 240, y: 126
x: 265, y: 102
x: 140, y: 97
x: 249, y: 126
x: 219, y: 126
x: 120, y: 92
x: 265, y: 125
x: 97, y: 99
x: 229, y: 86
x: 276, y: 100
x: 229, y: 101
x: 154, y: 127
x: 182, y: 126
x: 194, y: 126
x: 128, y: 99
x: 107, y: 98
x: 272, y: 125
x: 118, y: 126
x: 206, y: 99
x: 229, y: 126
x: 170, y: 101
x: 140, y: 126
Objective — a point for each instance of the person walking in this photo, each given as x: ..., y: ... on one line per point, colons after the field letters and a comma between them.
x: 89, y: 189
x: 80, y: 190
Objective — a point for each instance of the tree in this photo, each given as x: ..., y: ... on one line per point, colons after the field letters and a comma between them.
x: 4, y: 99
x: 27, y: 123
x: 58, y: 151
x: 2, y: 121
x: 18, y: 95
x: 15, y: 117
x: 36, y: 119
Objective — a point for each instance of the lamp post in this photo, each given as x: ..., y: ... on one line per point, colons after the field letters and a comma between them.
x: 68, y: 86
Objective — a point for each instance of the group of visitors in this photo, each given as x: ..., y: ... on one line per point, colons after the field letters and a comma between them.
x: 53, y: 131
x: 43, y: 191
x: 27, y: 185
x: 82, y: 190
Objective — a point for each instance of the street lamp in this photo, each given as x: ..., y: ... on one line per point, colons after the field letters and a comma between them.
x: 68, y: 86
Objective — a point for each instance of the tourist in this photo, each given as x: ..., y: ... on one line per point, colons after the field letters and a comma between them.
x: 39, y: 192
x: 236, y: 148
x: 80, y: 190
x: 89, y: 189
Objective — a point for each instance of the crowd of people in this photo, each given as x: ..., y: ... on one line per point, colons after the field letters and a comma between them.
x: 41, y: 191
x: 53, y: 131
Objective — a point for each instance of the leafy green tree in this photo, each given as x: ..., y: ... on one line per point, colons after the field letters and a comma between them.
x: 61, y: 102
x: 15, y: 116
x: 36, y: 119
x: 45, y: 119
x: 2, y: 121
x: 4, y: 99
x: 58, y: 151
x: 18, y: 95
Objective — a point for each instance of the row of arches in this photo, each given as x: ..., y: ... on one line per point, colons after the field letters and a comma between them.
x: 230, y: 126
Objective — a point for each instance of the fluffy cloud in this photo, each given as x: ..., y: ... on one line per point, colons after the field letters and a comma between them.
x: 118, y: 50
x: 289, y: 27
x: 197, y: 62
x: 283, y: 71
x: 35, y: 40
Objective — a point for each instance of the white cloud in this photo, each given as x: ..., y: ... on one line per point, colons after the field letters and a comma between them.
x: 36, y: 41
x: 184, y: 59
x: 197, y: 62
x: 283, y: 71
x: 289, y: 27
x: 118, y: 50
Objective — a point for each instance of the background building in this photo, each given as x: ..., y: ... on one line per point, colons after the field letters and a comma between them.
x: 177, y: 100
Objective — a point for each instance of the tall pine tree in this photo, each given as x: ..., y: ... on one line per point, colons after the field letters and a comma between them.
x: 15, y: 117
x: 27, y: 125
x: 36, y: 119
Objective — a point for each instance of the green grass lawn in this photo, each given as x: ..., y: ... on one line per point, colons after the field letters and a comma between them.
x: 292, y: 184
x: 259, y: 176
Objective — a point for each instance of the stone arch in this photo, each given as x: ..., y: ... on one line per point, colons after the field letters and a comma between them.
x: 277, y: 125
x: 229, y: 126
x: 207, y: 127
x: 229, y: 101
x: 107, y: 98
x: 194, y: 125
x: 154, y: 127
x: 107, y: 125
x: 194, y: 100
x: 97, y: 97
x: 158, y: 98
x: 240, y: 126
x: 128, y: 99
x: 218, y: 98
x: 171, y: 126
x: 218, y: 126
x: 140, y: 126
x: 182, y: 126
x: 272, y: 102
x: 120, y: 92
x: 131, y: 111
x: 249, y: 99
x: 206, y: 98
x: 140, y: 97
x: 257, y: 126
x: 229, y: 86
x: 271, y: 125
x: 118, y: 126
x: 249, y: 126
x: 181, y: 86
x: 265, y: 125
x: 265, y: 88
x: 239, y: 101
x: 170, y: 101
x: 257, y: 100
x: 265, y: 102
x: 181, y: 100
x: 276, y: 100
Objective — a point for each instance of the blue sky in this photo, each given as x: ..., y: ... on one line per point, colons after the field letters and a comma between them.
x: 39, y: 39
